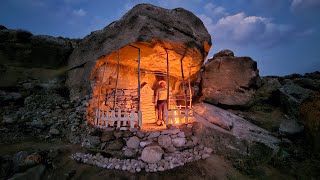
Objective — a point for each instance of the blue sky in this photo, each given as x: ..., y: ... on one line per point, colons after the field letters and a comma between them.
x: 281, y: 35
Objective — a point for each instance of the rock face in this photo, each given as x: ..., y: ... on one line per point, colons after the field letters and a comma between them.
x: 150, y: 28
x: 310, y: 111
x: 152, y: 154
x: 23, y: 55
x: 229, y: 80
x: 243, y: 138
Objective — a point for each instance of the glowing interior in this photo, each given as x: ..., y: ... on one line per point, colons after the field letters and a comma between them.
x: 153, y: 68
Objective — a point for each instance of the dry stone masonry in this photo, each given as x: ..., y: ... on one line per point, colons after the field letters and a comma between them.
x: 134, y: 150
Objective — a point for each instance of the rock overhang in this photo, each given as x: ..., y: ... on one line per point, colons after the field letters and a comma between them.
x: 153, y: 29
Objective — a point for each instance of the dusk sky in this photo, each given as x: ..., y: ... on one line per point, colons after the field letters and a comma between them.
x: 281, y: 35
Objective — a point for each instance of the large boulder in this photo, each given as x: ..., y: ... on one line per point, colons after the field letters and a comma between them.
x: 24, y: 55
x: 214, y: 115
x: 244, y: 138
x: 152, y: 154
x: 155, y: 31
x: 229, y: 80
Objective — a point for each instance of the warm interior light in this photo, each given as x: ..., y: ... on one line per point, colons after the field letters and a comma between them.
x: 176, y: 120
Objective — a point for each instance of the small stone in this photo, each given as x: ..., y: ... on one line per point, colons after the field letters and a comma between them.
x: 127, y: 133
x: 160, y: 168
x: 154, y: 135
x: 208, y: 150
x: 205, y: 156
x: 170, y: 131
x: 54, y: 131
x: 134, y: 130
x: 37, y: 124
x: 174, y: 136
x: 172, y: 149
x: 140, y: 134
x: 152, y: 154
x: 123, y: 128
x: 114, y: 145
x: 107, y: 136
x: 8, y: 120
x: 179, y: 141
x: 32, y: 159
x: 91, y: 141
x: 181, y: 134
x: 194, y: 140
x: 189, y: 144
x: 118, y: 134
x: 144, y: 143
x: 133, y: 142
x: 65, y: 105
x: 130, y: 153
x: 164, y: 141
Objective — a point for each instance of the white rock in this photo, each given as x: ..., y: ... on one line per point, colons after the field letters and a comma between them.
x: 144, y: 143
x: 133, y: 142
x: 130, y: 153
x: 54, y: 131
x: 181, y: 134
x: 171, y: 131
x: 140, y: 134
x: 154, y: 134
x: 172, y: 149
x: 160, y: 168
x: 164, y: 141
x: 205, y: 156
x: 179, y: 141
x: 208, y: 150
x: 152, y: 154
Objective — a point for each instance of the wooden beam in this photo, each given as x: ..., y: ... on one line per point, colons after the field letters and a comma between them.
x: 168, y: 89
x: 139, y: 83
x: 117, y: 79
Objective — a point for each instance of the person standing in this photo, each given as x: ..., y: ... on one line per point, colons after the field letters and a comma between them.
x: 161, y: 100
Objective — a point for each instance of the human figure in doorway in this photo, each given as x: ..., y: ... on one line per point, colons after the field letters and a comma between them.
x: 161, y: 100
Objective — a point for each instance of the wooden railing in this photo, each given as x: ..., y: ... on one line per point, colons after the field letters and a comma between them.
x: 178, y: 116
x: 117, y: 118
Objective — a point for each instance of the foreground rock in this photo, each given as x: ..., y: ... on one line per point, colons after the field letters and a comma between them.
x: 152, y: 154
x: 243, y: 138
x: 214, y: 115
x: 229, y: 80
x: 24, y: 56
x: 168, y: 162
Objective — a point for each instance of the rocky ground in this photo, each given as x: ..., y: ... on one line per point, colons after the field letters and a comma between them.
x: 246, y: 126
x: 45, y: 136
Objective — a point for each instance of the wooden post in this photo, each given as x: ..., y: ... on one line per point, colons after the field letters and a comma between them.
x: 190, y: 91
x: 184, y: 83
x: 168, y: 88
x: 117, y: 79
x: 139, y: 74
